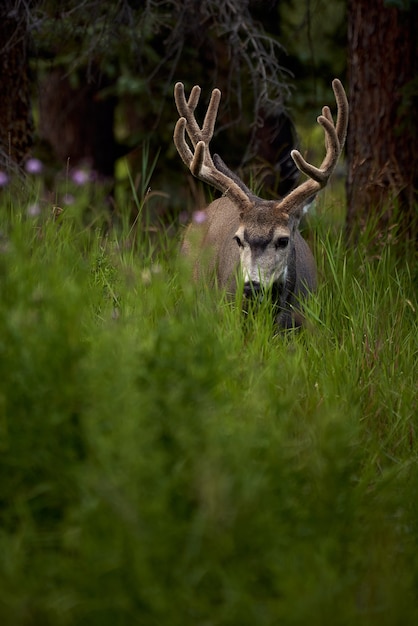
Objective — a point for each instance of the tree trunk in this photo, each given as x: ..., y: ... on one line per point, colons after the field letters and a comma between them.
x: 15, y: 110
x: 77, y: 122
x: 382, y: 145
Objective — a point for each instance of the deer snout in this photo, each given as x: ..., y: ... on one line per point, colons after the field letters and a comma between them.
x: 251, y: 289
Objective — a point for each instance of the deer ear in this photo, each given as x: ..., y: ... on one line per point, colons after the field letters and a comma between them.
x: 297, y: 211
x: 309, y: 205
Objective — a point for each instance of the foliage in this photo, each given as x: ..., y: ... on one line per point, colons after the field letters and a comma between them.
x: 166, y: 461
x: 129, y: 54
x: 314, y: 36
x: 142, y: 48
x: 403, y: 5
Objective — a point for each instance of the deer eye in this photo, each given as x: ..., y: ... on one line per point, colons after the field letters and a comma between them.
x: 238, y: 240
x: 282, y: 242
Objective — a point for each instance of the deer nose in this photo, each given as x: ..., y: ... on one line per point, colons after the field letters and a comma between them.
x: 251, y: 289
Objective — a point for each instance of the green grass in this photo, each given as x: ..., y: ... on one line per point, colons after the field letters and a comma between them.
x: 166, y: 460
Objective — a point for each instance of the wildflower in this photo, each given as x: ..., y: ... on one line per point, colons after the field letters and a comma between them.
x: 80, y: 177
x: 34, y: 166
x: 199, y: 217
x: 4, y: 179
x: 68, y: 199
x: 33, y: 210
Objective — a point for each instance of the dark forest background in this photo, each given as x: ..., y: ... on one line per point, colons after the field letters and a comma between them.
x: 91, y: 82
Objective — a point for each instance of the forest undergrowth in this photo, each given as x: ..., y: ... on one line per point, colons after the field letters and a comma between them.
x: 167, y: 459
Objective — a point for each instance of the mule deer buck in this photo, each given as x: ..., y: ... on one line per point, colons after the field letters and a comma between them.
x: 241, y: 232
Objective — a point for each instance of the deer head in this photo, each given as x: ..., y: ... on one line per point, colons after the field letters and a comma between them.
x: 244, y: 231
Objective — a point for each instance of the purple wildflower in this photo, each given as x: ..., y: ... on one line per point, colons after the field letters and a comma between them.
x: 68, y: 199
x: 4, y: 179
x: 80, y: 177
x: 199, y: 216
x: 34, y: 166
x: 33, y: 210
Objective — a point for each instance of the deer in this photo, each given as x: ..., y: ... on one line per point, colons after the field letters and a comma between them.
x: 241, y: 238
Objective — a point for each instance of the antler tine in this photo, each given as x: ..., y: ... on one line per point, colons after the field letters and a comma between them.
x: 180, y: 141
x: 343, y: 109
x: 186, y: 109
x: 193, y: 100
x: 200, y: 163
x: 335, y: 135
x: 322, y: 173
x: 210, y: 117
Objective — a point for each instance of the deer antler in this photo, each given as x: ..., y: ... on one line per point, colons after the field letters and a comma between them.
x: 200, y: 163
x: 334, y: 142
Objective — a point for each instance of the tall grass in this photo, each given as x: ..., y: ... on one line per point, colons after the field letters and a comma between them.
x: 167, y: 460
